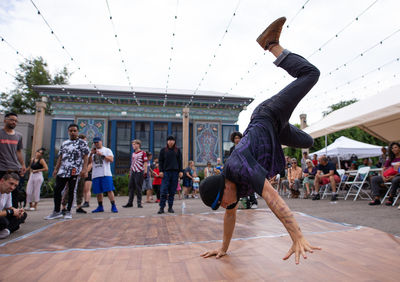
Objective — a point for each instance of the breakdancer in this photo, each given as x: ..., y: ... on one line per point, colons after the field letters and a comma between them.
x: 259, y: 155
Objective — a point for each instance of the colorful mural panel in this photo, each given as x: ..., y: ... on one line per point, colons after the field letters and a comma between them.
x: 207, y: 142
x: 92, y: 128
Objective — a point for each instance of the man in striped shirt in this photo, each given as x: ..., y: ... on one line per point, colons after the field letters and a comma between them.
x: 137, y: 174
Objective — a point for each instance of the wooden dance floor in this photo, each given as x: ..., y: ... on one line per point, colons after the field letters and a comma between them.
x: 168, y: 248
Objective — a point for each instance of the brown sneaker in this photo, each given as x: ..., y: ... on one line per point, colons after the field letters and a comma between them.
x: 271, y: 34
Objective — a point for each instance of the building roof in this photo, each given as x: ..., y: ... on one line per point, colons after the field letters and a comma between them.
x: 140, y: 92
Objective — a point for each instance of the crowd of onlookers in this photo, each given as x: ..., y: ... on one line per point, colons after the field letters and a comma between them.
x: 81, y: 171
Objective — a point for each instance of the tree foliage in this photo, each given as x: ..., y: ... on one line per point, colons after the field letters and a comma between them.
x: 354, y: 133
x: 22, y: 98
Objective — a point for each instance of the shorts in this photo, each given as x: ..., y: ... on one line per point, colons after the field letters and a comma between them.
x: 187, y: 182
x: 195, y: 186
x: 102, y: 184
x: 147, y: 184
x: 325, y: 180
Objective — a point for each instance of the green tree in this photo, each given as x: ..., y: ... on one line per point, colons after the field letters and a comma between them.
x: 338, y: 106
x: 22, y: 98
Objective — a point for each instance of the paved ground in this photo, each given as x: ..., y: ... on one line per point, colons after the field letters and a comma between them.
x: 357, y: 213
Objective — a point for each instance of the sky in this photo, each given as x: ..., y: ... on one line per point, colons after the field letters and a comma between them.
x: 208, y: 45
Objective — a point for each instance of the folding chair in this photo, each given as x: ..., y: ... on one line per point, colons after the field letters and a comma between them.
x: 388, y: 184
x: 358, y: 183
x: 338, y: 185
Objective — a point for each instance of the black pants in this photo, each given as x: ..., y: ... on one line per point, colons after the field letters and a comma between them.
x: 135, y: 185
x: 60, y: 185
x: 156, y: 189
x: 280, y: 107
x: 12, y: 223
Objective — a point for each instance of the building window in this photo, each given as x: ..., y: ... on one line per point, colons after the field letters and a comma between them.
x: 142, y: 132
x: 177, y: 133
x: 123, y: 147
x: 227, y: 130
x: 160, y: 137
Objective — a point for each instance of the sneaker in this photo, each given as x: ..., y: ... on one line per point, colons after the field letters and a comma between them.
x: 254, y: 206
x: 140, y: 206
x: 170, y: 210
x: 157, y: 201
x: 334, y: 198
x: 160, y: 211
x: 389, y: 202
x: 316, y: 197
x: 32, y: 209
x: 128, y: 206
x: 114, y: 208
x: 375, y: 203
x: 54, y: 215
x: 4, y: 233
x: 80, y: 210
x: 85, y: 205
x: 98, y: 209
x: 68, y: 215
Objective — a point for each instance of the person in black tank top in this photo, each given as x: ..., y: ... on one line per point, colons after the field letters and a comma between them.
x: 38, y: 165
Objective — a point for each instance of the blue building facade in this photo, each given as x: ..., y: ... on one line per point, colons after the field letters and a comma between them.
x: 120, y: 114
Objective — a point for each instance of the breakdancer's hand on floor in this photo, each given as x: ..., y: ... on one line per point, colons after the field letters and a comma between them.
x: 300, y: 247
x: 217, y: 253
x: 284, y: 214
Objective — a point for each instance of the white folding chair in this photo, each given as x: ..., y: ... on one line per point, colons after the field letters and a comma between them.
x: 358, y: 183
x: 388, y: 184
x: 338, y: 185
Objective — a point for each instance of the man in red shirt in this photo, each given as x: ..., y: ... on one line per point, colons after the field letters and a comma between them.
x: 137, y: 174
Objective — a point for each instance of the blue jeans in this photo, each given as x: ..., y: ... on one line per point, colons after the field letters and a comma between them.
x: 168, y: 187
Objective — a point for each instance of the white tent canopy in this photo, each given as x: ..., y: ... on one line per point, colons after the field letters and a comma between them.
x: 378, y: 115
x: 344, y: 148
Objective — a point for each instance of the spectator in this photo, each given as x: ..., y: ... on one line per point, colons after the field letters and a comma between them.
x: 326, y: 173
x: 196, y: 184
x: 11, y: 158
x: 10, y: 217
x: 79, y: 187
x: 101, y: 158
x: 137, y: 173
x: 157, y: 180
x: 383, y: 157
x: 188, y: 179
x: 235, y: 138
x: 390, y: 174
x: 309, y: 177
x: 304, y: 159
x: 71, y: 162
x: 87, y: 188
x: 38, y: 165
x: 219, y: 167
x: 353, y: 165
x: 170, y: 170
x: 293, y: 180
x: 208, y: 170
x: 315, y: 160
x: 147, y: 184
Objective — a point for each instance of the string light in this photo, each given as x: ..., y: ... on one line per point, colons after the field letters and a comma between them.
x: 298, y: 12
x: 122, y: 59
x: 343, y: 29
x: 11, y: 46
x: 64, y: 48
x: 215, y: 53
x: 172, y: 50
x: 362, y: 53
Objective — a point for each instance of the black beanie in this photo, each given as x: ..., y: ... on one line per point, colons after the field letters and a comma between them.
x: 209, y: 189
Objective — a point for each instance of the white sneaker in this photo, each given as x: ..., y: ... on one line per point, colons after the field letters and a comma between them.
x: 68, y: 215
x: 32, y: 209
x: 254, y: 206
x: 4, y: 233
x: 54, y: 215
